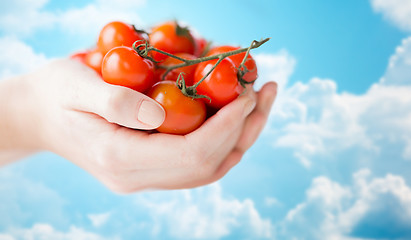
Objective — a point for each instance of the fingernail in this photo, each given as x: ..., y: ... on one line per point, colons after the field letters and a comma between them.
x: 151, y: 114
x: 249, y: 107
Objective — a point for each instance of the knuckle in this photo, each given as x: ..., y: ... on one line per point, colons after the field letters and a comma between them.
x: 114, y: 102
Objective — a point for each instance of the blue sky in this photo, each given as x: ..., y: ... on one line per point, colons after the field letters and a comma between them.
x: 333, y: 162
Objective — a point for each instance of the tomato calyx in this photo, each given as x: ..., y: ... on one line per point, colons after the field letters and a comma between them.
x: 206, y: 48
x: 184, y: 32
x: 140, y: 31
x: 189, y: 91
x: 242, y: 69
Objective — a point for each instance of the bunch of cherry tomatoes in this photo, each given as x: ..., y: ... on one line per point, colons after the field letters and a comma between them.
x: 182, y: 72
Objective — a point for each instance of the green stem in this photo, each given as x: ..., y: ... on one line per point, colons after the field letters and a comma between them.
x: 168, y: 54
x: 188, y: 91
x: 208, y: 73
x: 246, y: 55
x: 143, y: 49
x: 242, y: 69
x: 189, y: 62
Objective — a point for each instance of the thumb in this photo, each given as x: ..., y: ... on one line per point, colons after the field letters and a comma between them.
x: 129, y: 108
x: 116, y: 104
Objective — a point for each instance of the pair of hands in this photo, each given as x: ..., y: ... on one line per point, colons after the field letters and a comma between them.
x: 66, y: 108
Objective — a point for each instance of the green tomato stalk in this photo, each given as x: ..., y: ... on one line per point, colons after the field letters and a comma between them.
x: 143, y: 48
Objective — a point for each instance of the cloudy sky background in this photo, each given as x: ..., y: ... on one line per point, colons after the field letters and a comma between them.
x: 334, y: 161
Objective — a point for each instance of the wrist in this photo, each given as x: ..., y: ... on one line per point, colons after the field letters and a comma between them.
x: 18, y: 118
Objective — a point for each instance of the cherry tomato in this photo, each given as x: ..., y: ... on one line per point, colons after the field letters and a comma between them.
x: 201, y: 45
x: 93, y: 59
x: 221, y: 85
x: 173, y: 74
x: 183, y: 114
x: 123, y: 66
x: 116, y: 34
x: 172, y: 38
x: 79, y: 56
x: 237, y: 59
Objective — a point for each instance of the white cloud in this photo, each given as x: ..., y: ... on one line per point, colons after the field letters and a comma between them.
x: 274, y: 67
x: 5, y: 237
x: 277, y: 67
x: 333, y: 211
x: 271, y: 201
x: 100, y: 219
x: 98, y: 14
x: 24, y: 17
x: 396, y: 11
x: 399, y: 67
x: 205, y: 213
x: 315, y: 216
x: 17, y: 57
x: 121, y: 4
x: 327, y: 193
x: 42, y: 231
x: 313, y: 119
x: 23, y: 200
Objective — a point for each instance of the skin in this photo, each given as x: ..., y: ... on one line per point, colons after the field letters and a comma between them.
x: 66, y: 108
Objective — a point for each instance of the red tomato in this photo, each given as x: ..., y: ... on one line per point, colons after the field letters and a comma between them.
x: 123, y: 66
x: 80, y: 56
x: 173, y: 74
x: 171, y: 38
x: 183, y: 114
x: 201, y: 45
x: 116, y: 34
x: 93, y: 59
x: 221, y: 85
x: 237, y: 59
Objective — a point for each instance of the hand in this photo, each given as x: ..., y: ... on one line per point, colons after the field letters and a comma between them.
x: 93, y: 124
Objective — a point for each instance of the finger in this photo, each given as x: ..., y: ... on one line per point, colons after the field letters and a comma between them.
x: 137, y: 180
x: 232, y: 160
x: 166, y: 177
x: 116, y: 104
x: 190, y: 150
x: 214, y: 132
x: 256, y: 120
x: 130, y: 149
